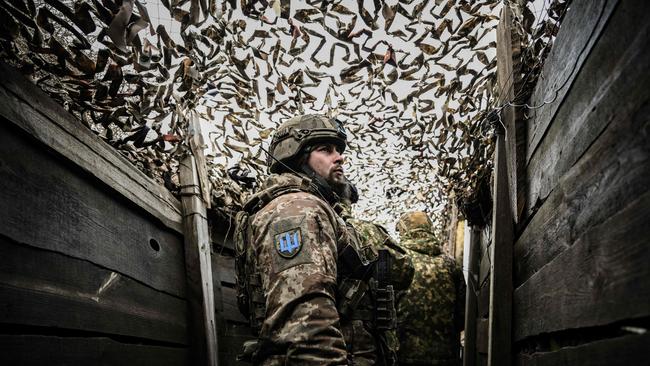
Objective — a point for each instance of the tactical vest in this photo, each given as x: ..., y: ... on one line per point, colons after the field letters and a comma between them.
x: 364, y: 291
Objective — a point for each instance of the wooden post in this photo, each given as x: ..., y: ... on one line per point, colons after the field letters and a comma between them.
x: 508, y: 65
x: 198, y: 263
x: 471, y: 303
x: 505, y: 195
x: 500, y: 318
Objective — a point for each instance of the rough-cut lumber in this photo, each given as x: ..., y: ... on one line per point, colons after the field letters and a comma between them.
x: 471, y: 301
x: 600, y: 279
x: 612, y: 172
x: 622, y: 351
x: 508, y: 77
x: 198, y: 266
x: 500, y: 317
x: 51, y: 204
x: 38, y: 350
x: 29, y: 108
x: 44, y: 288
x: 579, y: 32
x: 610, y: 85
x: 197, y: 145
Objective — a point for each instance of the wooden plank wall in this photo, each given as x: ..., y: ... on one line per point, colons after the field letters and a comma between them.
x: 92, y: 268
x: 581, y: 270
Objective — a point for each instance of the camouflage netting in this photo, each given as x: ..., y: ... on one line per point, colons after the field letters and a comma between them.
x: 413, y: 82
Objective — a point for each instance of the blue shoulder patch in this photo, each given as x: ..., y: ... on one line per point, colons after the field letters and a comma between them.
x: 288, y: 243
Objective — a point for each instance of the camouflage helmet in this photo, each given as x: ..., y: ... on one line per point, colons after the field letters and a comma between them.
x: 414, y: 220
x: 292, y: 136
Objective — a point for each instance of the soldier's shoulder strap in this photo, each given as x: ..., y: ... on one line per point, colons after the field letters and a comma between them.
x: 261, y: 199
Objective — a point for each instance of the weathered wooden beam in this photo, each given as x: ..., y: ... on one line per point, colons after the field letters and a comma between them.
x: 601, y: 279
x: 471, y: 301
x: 197, y: 145
x: 198, y: 265
x: 594, y: 159
x: 508, y: 53
x: 500, y: 318
x: 42, y: 288
x: 49, y: 203
x: 608, y: 86
x: 580, y: 31
x: 30, y: 109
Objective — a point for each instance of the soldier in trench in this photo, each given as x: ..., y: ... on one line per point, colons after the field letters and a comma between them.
x: 300, y: 275
x: 431, y: 313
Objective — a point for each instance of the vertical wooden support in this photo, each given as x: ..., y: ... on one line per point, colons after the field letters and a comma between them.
x: 471, y: 302
x: 508, y: 51
x: 500, y: 319
x: 505, y: 200
x: 198, y: 265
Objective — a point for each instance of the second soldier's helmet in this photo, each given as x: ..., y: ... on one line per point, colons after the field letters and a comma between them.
x: 414, y: 220
x: 293, y: 135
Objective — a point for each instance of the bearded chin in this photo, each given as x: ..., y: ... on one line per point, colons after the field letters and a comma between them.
x: 335, y: 182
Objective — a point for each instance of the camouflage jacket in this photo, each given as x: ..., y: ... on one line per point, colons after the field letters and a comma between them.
x: 295, y: 238
x: 431, y: 313
x: 298, y: 241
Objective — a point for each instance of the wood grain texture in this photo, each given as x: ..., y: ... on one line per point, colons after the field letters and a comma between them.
x: 49, y: 203
x: 602, y: 278
x: 508, y: 76
x: 29, y: 108
x: 500, y: 317
x: 44, y: 288
x: 198, y: 266
x: 613, y: 172
x: 579, y: 32
x: 471, y: 299
x: 38, y: 350
x: 622, y: 351
x: 611, y: 85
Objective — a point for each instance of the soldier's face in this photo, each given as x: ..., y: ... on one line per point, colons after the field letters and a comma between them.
x: 327, y: 162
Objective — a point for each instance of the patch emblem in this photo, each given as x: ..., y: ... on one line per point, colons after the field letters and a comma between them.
x: 289, y: 243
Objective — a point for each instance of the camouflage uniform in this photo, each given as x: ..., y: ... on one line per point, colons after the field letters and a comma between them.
x: 299, y: 272
x: 431, y: 313
x: 300, y: 324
